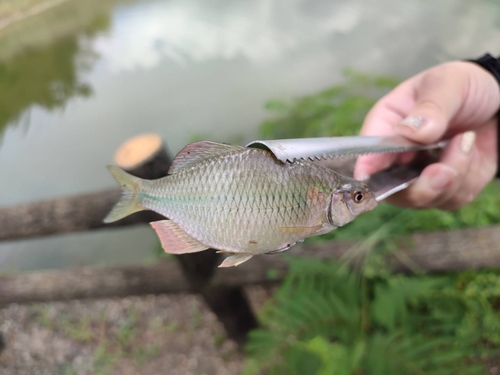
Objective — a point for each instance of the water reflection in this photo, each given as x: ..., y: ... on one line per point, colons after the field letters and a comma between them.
x: 197, y: 31
x: 48, y: 75
x: 263, y: 32
x: 49, y: 85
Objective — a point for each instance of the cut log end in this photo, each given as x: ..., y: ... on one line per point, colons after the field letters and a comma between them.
x: 144, y: 156
x: 138, y: 150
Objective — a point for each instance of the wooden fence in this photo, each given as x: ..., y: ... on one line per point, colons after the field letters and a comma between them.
x: 146, y: 156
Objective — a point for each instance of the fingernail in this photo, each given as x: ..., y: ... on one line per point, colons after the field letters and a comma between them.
x: 442, y: 180
x: 467, y: 142
x: 414, y: 122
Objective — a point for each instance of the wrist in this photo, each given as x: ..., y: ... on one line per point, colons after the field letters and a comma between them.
x: 492, y: 65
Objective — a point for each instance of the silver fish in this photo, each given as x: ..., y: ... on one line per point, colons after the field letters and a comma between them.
x: 242, y: 201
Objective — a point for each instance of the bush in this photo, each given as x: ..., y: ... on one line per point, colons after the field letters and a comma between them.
x: 326, y: 319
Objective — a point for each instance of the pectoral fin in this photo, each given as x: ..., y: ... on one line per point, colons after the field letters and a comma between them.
x: 174, y: 239
x: 302, y: 231
x: 235, y: 260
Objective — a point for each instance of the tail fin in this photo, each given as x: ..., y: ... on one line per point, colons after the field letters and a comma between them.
x: 129, y: 201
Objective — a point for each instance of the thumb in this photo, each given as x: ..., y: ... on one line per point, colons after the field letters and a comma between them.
x: 437, y: 100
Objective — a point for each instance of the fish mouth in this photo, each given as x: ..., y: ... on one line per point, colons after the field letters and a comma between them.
x: 372, y: 201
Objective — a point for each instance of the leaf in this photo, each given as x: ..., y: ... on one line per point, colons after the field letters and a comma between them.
x: 335, y: 358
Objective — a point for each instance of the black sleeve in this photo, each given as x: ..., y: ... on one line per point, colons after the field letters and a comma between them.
x: 492, y: 65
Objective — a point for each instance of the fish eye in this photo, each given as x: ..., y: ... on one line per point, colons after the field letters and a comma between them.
x: 358, y: 196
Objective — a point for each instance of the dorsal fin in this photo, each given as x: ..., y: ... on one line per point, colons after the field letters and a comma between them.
x: 195, y: 152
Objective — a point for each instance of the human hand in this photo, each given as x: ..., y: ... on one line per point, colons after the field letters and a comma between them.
x: 456, y: 101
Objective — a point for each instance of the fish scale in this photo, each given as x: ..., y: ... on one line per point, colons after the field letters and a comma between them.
x: 249, y: 184
x: 237, y: 199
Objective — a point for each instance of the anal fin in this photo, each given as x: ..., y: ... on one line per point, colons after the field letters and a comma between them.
x: 174, y: 239
x: 235, y: 260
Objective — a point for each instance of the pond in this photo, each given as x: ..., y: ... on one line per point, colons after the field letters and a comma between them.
x: 79, y: 79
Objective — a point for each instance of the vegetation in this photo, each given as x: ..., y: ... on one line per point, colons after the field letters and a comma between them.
x: 112, y: 342
x: 336, y: 111
x: 328, y: 319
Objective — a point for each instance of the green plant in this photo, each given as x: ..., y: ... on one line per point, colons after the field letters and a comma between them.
x: 40, y: 313
x: 326, y: 319
x: 79, y: 330
x: 145, y: 354
x: 105, y: 357
x: 338, y: 110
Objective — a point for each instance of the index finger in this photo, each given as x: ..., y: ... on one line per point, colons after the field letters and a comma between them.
x: 385, y: 114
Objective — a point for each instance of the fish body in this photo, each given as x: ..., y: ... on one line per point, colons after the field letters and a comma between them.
x: 241, y: 201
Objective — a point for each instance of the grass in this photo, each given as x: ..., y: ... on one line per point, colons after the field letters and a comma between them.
x: 41, y: 315
x: 112, y: 344
x: 79, y: 330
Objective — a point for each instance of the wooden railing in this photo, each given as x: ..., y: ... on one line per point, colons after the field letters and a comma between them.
x: 198, y: 272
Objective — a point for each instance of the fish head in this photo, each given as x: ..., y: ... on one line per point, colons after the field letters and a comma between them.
x: 350, y: 200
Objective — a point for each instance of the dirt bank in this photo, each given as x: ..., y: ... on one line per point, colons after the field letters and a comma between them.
x: 119, y: 336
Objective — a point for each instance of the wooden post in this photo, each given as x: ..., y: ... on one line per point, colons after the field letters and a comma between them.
x: 79, y: 213
x: 145, y: 156
x: 435, y: 252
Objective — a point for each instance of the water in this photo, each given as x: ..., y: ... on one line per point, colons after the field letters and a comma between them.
x: 78, y: 80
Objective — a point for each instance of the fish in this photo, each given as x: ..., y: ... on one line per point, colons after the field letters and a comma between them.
x: 241, y: 201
